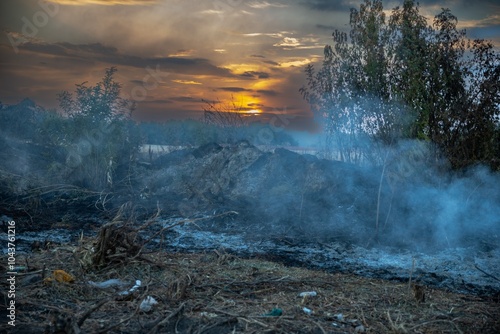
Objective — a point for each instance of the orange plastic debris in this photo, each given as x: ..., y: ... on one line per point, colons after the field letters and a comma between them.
x: 63, y: 277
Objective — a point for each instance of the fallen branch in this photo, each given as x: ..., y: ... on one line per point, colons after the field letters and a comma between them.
x: 159, y: 323
x: 90, y: 311
x: 487, y: 274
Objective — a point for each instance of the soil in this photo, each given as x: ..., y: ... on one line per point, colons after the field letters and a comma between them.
x: 241, y: 235
x: 215, y: 291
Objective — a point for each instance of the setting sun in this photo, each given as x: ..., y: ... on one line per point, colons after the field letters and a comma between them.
x: 245, y: 104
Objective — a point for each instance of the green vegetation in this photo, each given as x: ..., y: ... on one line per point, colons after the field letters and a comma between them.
x: 100, y: 138
x: 399, y: 78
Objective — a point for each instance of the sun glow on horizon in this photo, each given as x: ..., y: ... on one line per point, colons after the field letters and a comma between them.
x: 249, y: 105
x: 242, y: 104
x: 254, y: 111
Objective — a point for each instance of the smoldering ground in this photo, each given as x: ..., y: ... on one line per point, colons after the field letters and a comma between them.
x: 409, y: 202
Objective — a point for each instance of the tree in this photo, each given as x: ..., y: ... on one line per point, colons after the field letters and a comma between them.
x: 404, y: 79
x: 351, y: 90
x: 408, y: 44
x: 99, y: 103
x: 100, y: 137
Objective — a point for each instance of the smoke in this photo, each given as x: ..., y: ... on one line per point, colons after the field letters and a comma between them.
x: 421, y: 203
x: 408, y: 197
x: 458, y: 209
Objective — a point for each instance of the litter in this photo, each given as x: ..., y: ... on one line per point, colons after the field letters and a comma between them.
x: 137, y: 285
x: 275, y: 312
x: 208, y: 315
x: 308, y: 294
x: 110, y: 283
x: 307, y: 311
x: 60, y: 276
x: 147, y: 304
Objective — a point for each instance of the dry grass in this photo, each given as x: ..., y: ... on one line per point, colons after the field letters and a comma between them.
x: 216, y: 292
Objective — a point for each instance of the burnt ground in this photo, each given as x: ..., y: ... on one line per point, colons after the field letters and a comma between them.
x: 214, y: 282
x: 216, y: 292
x: 241, y: 233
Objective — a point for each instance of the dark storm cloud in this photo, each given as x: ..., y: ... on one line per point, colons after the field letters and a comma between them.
x: 107, y: 2
x: 254, y: 74
x: 326, y: 27
x: 110, y: 55
x: 234, y: 89
x: 328, y: 5
x: 160, y: 101
x: 270, y: 62
x: 290, y: 110
x: 452, y: 3
x: 255, y: 105
x: 64, y: 49
x: 185, y: 99
x: 267, y: 92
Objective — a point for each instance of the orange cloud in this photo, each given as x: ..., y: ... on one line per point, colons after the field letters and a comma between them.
x: 187, y: 82
x: 182, y: 53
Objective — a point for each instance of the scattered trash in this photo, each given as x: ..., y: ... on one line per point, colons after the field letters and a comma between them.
x: 137, y: 285
x: 308, y: 294
x: 132, y: 289
x: 307, y: 311
x: 147, y: 304
x: 275, y: 312
x: 63, y: 277
x: 208, y: 315
x: 110, y: 283
x: 60, y: 276
x: 360, y: 329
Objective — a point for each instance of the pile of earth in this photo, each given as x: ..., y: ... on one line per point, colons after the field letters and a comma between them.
x: 282, y: 191
x: 299, y: 196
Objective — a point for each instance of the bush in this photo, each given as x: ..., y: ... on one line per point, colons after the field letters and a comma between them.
x: 100, y: 139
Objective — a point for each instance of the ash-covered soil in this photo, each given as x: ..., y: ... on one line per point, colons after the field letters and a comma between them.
x: 440, y: 232
x: 463, y: 270
x: 214, y: 291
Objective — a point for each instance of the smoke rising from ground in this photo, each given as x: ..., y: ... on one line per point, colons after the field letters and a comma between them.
x: 406, y: 197
x: 422, y: 204
x: 435, y: 209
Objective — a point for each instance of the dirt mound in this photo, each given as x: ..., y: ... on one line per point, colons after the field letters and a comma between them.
x: 283, y: 190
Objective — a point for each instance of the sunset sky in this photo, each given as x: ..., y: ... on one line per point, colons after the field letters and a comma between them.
x: 172, y: 54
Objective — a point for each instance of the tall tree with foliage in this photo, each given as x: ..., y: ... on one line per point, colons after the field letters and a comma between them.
x: 402, y: 78
x: 100, y: 137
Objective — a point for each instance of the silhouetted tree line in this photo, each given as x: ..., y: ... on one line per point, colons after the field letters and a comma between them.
x: 397, y: 77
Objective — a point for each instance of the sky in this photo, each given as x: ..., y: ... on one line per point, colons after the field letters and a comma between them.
x: 173, y: 55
